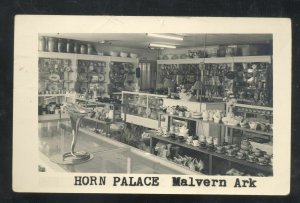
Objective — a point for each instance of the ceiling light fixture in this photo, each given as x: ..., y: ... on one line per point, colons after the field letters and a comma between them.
x: 165, y: 36
x: 162, y: 46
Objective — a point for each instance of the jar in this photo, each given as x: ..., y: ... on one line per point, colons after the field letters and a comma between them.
x: 83, y: 49
x: 60, y: 46
x: 76, y: 48
x: 51, y: 44
x: 42, y: 44
x: 69, y: 48
x: 89, y: 49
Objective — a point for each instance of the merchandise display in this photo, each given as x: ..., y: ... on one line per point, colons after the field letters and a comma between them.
x: 187, y: 109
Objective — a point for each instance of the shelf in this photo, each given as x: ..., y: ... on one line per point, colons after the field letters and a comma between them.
x: 235, y: 59
x: 255, y: 107
x: 144, y: 94
x: 60, y: 55
x: 101, y: 103
x: 52, y: 95
x: 51, y: 117
x: 220, y: 124
x: 267, y: 169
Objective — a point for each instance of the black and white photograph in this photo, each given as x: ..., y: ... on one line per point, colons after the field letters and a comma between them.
x: 166, y: 108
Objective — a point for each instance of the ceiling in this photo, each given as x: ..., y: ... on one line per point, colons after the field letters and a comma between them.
x: 141, y: 40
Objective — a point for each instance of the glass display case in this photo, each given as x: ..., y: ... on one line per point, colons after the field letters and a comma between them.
x: 142, y: 108
x: 109, y: 156
x: 142, y: 104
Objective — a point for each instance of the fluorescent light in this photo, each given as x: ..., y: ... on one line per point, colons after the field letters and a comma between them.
x: 162, y: 45
x: 165, y: 36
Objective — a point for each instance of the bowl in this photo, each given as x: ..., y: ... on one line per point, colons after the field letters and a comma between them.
x: 113, y: 53
x: 123, y: 54
x: 169, y: 56
x: 133, y: 55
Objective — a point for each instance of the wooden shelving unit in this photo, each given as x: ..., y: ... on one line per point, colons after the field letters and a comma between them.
x: 267, y: 169
x: 211, y: 154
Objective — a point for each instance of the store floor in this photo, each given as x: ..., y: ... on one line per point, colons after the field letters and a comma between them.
x: 108, y: 157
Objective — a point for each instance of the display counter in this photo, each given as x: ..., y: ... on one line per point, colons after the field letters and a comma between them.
x: 109, y: 155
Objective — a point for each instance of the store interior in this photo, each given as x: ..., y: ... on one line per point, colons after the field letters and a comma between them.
x: 168, y: 103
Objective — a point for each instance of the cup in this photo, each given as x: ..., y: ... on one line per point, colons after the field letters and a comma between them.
x: 195, y: 143
x: 202, y: 138
x: 220, y: 148
x: 209, y: 140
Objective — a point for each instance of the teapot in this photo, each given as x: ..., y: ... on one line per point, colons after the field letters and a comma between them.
x: 209, y: 139
x: 217, y: 116
x: 183, y: 130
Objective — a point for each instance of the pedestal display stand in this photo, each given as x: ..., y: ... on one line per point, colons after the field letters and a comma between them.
x: 76, y: 115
